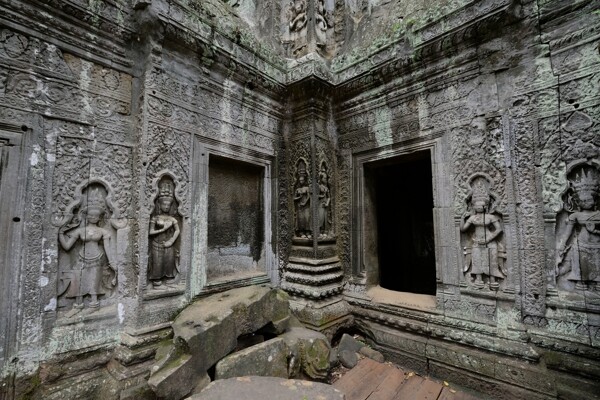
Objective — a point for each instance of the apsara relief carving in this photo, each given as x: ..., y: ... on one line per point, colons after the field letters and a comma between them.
x: 484, y: 249
x: 163, y: 263
x: 302, y: 194
x: 578, y: 229
x: 87, y: 238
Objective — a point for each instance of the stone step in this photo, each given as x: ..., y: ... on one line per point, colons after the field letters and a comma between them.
x: 260, y: 388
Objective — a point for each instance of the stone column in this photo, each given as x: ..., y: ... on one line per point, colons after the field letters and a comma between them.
x: 313, y: 274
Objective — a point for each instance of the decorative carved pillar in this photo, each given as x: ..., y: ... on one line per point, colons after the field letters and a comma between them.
x: 313, y: 275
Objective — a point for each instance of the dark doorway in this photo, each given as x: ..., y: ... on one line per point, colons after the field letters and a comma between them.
x: 404, y: 212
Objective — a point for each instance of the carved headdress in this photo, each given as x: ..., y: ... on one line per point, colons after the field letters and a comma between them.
x: 586, y: 180
x: 301, y: 168
x: 481, y: 191
x: 95, y: 200
x: 166, y: 189
x: 323, y: 173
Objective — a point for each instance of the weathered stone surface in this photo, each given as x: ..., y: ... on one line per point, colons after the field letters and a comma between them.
x: 269, y: 358
x: 115, y: 216
x: 207, y: 331
x: 334, y: 359
x: 348, y: 343
x: 372, y: 354
x: 348, y: 358
x: 311, y: 351
x: 256, y: 388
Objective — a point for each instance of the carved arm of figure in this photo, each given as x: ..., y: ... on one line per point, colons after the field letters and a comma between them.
x: 327, y: 199
x: 562, y: 247
x: 305, y: 199
x: 297, y: 195
x: 171, y: 241
x: 300, y: 19
x: 68, y: 240
x: 466, y: 221
x: 591, y: 223
x: 154, y: 230
x: 591, y: 228
x: 495, y: 222
x: 301, y: 196
x: 108, y: 250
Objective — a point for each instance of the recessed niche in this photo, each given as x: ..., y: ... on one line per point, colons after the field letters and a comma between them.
x: 400, y: 191
x: 235, y: 219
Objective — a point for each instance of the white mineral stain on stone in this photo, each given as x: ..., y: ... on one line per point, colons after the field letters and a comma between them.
x: 51, y: 306
x: 84, y: 83
x: 50, y: 157
x: 34, y: 157
x: 43, y: 281
x: 42, y: 266
x: 270, y: 359
x: 226, y: 109
x: 48, y: 256
x: 382, y: 127
x: 121, y: 310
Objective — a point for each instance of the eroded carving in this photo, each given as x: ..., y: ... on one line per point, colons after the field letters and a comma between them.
x: 163, y: 264
x: 322, y: 23
x: 88, y: 262
x: 578, y: 229
x: 302, y: 201
x: 484, y: 249
x: 232, y: 3
x: 298, y: 25
x: 324, y: 212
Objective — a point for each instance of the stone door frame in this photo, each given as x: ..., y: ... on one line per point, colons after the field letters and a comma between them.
x: 365, y: 268
x: 15, y: 150
x: 203, y: 149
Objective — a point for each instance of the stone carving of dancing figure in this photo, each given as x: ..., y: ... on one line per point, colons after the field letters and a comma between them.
x: 164, y: 232
x: 302, y: 202
x: 324, y: 201
x: 93, y: 273
x: 321, y: 23
x: 485, y: 253
x: 578, y: 249
x: 298, y: 25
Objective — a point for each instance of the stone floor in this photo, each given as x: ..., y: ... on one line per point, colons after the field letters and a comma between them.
x: 384, y: 381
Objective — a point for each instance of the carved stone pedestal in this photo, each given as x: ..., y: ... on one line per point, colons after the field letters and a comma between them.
x: 133, y: 359
x: 313, y: 278
x: 327, y: 316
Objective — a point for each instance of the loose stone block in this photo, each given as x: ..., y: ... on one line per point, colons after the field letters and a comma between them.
x: 265, y: 359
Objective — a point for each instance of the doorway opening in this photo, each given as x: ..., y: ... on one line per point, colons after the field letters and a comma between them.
x: 402, y: 196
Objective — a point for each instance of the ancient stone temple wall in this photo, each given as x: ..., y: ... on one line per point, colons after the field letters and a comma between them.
x: 117, y: 117
x: 509, y: 121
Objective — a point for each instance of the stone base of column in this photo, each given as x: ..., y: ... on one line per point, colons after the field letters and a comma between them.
x: 314, y: 279
x: 326, y: 316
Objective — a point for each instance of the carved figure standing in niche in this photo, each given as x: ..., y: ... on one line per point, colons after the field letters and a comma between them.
x: 321, y: 23
x: 485, y: 253
x: 578, y: 250
x: 298, y: 24
x: 164, y: 232
x: 93, y: 273
x: 302, y: 202
x: 324, y: 201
